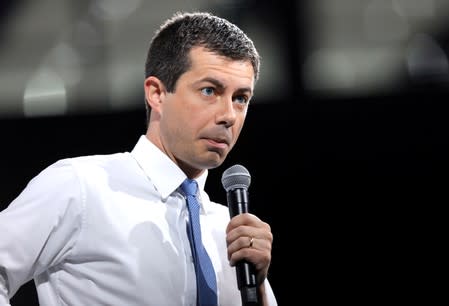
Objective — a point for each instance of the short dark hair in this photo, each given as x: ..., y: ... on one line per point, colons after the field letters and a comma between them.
x: 168, y: 54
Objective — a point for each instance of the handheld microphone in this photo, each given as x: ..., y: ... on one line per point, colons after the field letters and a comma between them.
x: 236, y: 180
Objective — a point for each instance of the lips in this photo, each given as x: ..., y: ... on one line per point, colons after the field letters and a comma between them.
x: 221, y: 140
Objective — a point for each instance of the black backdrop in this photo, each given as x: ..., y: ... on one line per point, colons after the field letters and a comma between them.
x: 342, y: 184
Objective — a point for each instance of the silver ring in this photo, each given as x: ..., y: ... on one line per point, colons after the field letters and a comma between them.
x: 251, y: 241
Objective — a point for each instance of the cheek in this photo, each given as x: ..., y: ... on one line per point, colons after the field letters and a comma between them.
x: 185, y: 124
x: 236, y: 129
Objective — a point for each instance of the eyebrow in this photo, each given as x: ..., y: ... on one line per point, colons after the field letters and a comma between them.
x: 221, y: 86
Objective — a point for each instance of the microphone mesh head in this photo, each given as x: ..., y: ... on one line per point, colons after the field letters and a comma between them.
x: 236, y: 176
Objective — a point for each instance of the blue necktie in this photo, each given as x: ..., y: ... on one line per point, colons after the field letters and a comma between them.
x: 205, y: 276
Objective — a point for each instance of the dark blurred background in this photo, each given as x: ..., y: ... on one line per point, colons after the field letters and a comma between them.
x: 346, y: 139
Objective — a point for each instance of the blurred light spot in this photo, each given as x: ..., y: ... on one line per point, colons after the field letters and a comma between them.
x: 114, y: 9
x: 325, y: 69
x: 45, y: 94
x: 87, y: 34
x: 414, y: 8
x: 123, y: 83
x: 382, y: 23
x: 273, y: 83
x: 353, y: 70
x: 426, y: 59
x: 66, y: 61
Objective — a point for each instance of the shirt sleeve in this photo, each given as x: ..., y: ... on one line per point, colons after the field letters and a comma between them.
x: 270, y: 294
x: 40, y: 227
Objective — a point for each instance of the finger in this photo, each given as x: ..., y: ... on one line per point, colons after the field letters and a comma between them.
x: 243, y: 219
x: 263, y: 231
x: 237, y: 250
x: 258, y: 254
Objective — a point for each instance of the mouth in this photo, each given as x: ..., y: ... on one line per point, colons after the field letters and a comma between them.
x: 220, y: 143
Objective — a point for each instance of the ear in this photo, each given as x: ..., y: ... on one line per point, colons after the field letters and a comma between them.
x: 154, y: 92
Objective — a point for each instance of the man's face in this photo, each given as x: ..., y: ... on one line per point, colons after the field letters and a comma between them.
x: 202, y: 119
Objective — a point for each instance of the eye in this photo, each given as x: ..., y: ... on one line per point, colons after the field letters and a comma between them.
x: 208, y: 91
x: 241, y: 99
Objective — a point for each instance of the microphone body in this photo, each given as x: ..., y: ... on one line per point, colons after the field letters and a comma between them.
x: 236, y: 180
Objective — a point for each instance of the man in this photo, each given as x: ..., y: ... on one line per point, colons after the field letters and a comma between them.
x: 115, y: 229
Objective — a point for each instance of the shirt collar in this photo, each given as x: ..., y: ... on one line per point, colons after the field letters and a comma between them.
x: 160, y: 169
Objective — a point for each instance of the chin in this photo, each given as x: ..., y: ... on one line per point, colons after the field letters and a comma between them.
x: 214, y: 162
x: 210, y: 159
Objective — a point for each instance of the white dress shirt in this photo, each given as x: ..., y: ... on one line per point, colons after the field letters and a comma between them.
x: 111, y: 230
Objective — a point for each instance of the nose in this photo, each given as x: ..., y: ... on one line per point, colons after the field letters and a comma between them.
x: 226, y: 113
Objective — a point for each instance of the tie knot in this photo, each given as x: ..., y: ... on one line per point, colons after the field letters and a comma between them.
x: 190, y: 187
